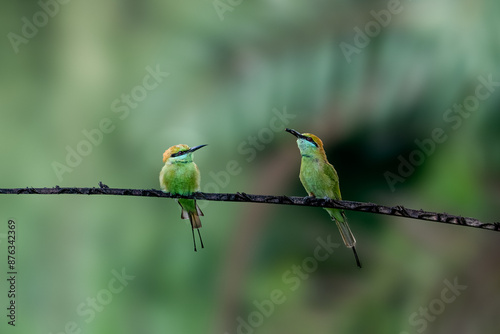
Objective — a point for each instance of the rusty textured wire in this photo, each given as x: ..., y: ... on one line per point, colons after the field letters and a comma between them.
x: 398, y: 211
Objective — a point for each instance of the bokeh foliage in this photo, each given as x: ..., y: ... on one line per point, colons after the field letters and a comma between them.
x: 227, y: 81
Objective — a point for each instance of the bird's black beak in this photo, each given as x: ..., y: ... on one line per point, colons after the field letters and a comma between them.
x: 191, y: 150
x: 301, y: 136
x: 295, y: 133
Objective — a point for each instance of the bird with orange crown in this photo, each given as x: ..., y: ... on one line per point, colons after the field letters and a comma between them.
x: 320, y: 179
x: 181, y: 176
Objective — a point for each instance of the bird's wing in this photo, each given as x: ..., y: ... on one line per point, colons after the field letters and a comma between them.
x: 163, y: 184
x: 198, y: 211
x: 331, y: 174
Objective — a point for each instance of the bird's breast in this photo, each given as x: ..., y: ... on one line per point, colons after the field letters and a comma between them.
x: 313, y: 179
x: 181, y: 178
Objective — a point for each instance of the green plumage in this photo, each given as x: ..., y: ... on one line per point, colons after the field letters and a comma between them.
x: 181, y: 176
x: 320, y: 179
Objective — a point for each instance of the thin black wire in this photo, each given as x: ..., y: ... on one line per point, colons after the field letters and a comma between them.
x: 398, y: 211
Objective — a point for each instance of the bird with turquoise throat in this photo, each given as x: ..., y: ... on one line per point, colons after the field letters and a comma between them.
x: 320, y: 179
x: 181, y: 176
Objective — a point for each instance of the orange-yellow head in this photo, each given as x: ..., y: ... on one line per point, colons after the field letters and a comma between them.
x: 309, y: 144
x: 180, y: 152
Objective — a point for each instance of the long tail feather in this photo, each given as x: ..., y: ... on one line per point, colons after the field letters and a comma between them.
x: 358, y: 262
x: 346, y: 234
x: 201, y: 240
x: 345, y: 231
x: 194, y: 241
x: 194, y: 218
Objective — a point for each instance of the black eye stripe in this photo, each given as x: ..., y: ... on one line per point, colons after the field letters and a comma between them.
x: 178, y: 153
x: 312, y: 141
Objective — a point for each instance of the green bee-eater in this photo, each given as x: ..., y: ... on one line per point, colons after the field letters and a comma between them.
x: 180, y: 175
x: 320, y: 179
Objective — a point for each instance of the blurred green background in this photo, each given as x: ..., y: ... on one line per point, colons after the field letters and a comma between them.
x: 238, y: 73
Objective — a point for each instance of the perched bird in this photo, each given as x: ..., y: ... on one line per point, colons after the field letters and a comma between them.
x: 181, y: 176
x: 320, y: 179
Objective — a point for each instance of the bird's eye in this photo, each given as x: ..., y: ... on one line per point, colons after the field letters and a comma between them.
x: 312, y: 141
x: 178, y: 153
